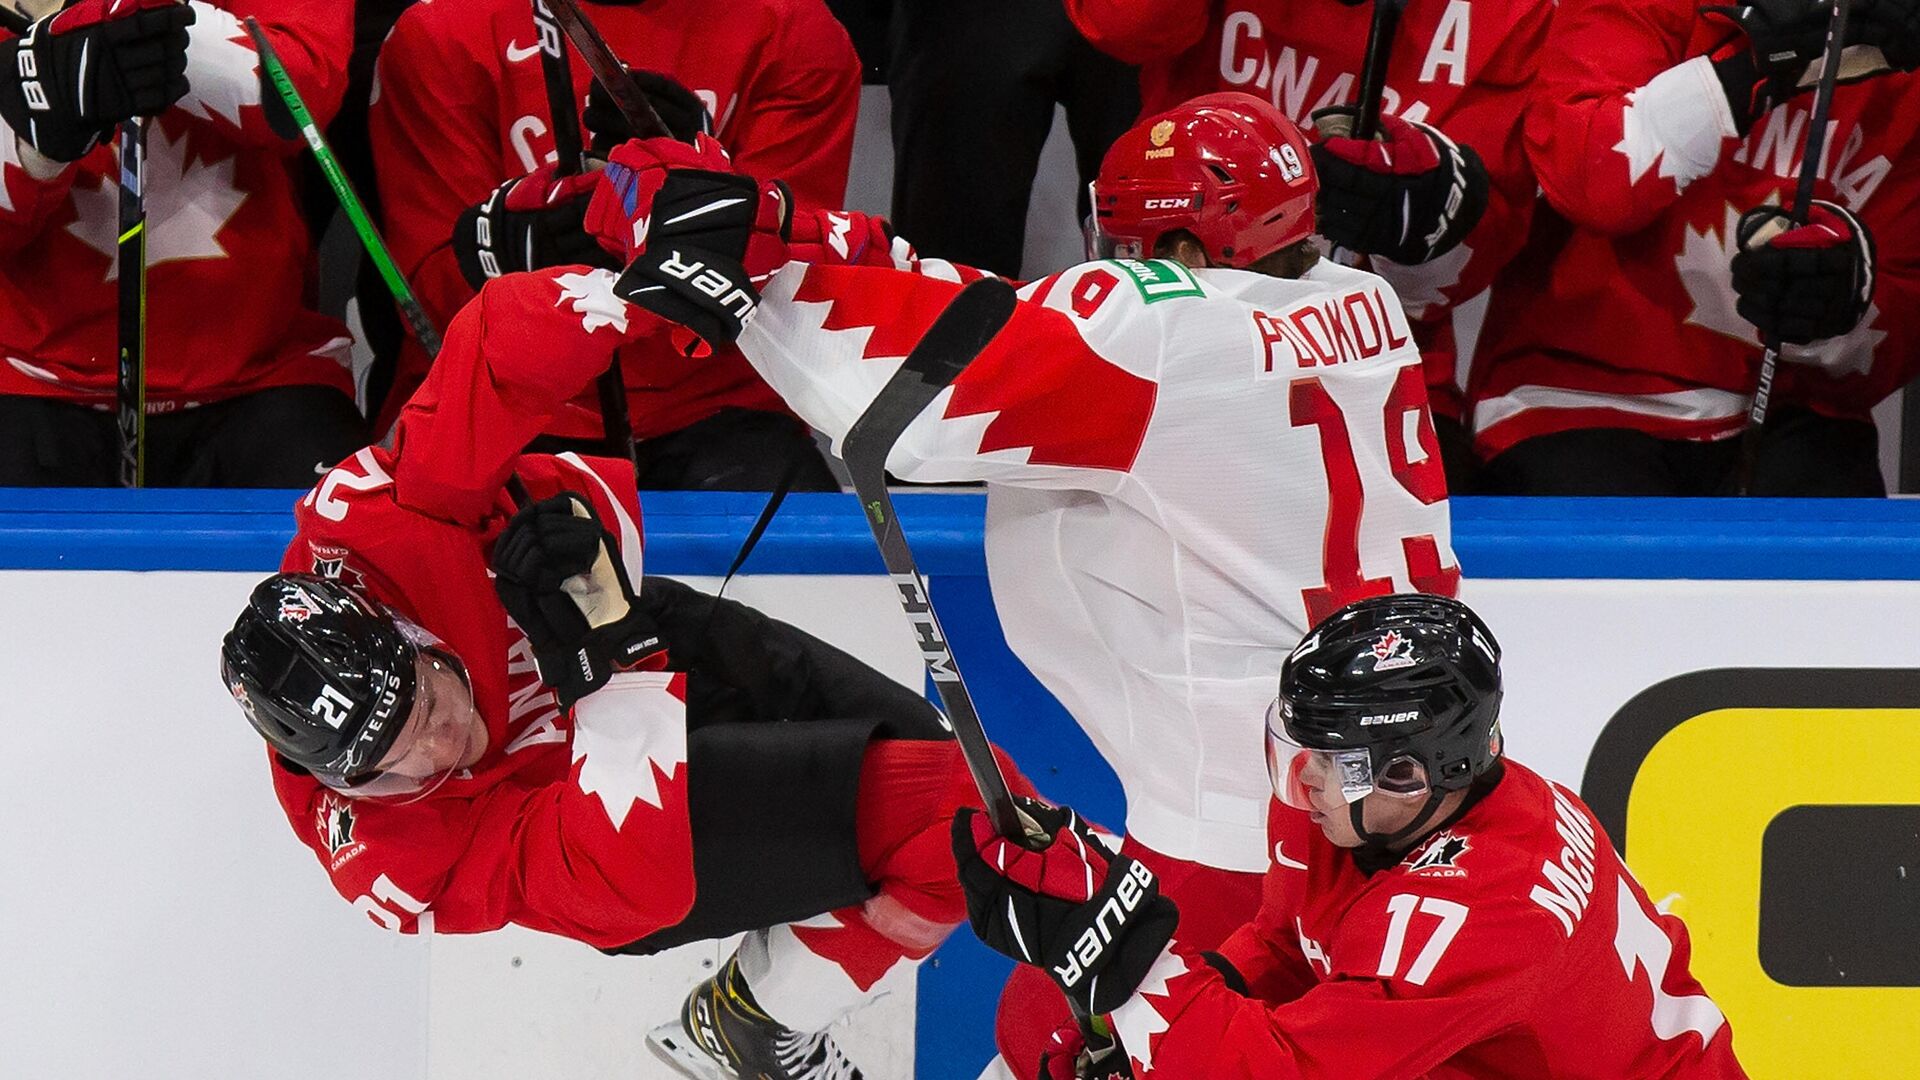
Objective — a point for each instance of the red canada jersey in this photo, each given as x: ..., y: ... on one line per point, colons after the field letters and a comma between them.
x: 1511, y: 944
x: 461, y: 107
x: 572, y: 823
x: 1621, y: 312
x: 229, y: 258
x: 1461, y: 67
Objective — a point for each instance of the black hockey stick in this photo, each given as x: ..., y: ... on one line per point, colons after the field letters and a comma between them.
x: 423, y: 329
x: 1373, y: 69
x: 14, y: 21
x: 959, y: 335
x: 1811, y: 152
x: 609, y: 72
x: 944, y: 351
x: 564, y: 113
x: 130, y: 382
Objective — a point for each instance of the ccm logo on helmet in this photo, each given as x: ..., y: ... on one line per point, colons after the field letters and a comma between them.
x: 1169, y: 204
x: 1093, y: 941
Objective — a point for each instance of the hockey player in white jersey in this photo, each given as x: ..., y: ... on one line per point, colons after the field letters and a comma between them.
x: 1195, y: 447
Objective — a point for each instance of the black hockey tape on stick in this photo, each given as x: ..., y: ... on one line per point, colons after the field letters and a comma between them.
x: 1373, y: 68
x: 1810, y: 154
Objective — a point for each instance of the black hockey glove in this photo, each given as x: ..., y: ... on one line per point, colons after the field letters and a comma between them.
x: 1785, y: 45
x: 1806, y: 283
x: 691, y: 271
x: 559, y: 574
x: 72, y: 76
x: 529, y: 223
x: 684, y: 113
x: 1094, y: 920
x: 1892, y: 26
x: 1409, y: 195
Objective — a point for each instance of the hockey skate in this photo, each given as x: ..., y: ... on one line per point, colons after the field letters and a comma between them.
x: 723, y: 1035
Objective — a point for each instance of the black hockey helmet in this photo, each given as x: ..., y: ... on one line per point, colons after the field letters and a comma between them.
x: 1401, y: 693
x: 326, y: 676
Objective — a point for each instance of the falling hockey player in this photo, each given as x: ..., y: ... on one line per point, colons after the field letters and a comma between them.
x: 1434, y: 910
x: 555, y: 747
x: 1193, y: 451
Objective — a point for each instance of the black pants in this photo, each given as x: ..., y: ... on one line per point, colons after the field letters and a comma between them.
x: 778, y: 723
x: 1801, y: 454
x: 974, y: 83
x: 732, y: 450
x: 283, y: 437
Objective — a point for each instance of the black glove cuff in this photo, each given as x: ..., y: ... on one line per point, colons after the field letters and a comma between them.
x: 1740, y: 80
x: 1229, y: 974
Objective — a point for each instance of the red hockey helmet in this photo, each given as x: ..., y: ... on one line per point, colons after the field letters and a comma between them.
x: 1229, y: 168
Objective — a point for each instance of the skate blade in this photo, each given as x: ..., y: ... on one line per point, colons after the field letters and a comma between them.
x: 671, y: 1044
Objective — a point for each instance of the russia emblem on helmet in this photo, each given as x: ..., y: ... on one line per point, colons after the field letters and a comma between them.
x: 1229, y: 168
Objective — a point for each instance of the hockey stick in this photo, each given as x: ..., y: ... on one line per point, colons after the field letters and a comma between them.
x: 955, y: 339
x: 571, y: 149
x: 960, y: 333
x: 1373, y: 69
x: 423, y: 329
x: 562, y: 111
x: 609, y: 72
x: 1811, y: 151
x: 130, y: 382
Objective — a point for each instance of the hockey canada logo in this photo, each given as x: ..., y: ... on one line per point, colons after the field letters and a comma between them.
x: 297, y: 606
x: 1392, y: 651
x: 335, y: 821
x: 331, y: 563
x: 1440, y: 856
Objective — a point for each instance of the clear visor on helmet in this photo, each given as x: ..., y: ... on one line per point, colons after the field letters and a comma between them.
x: 442, y: 735
x: 1306, y: 778
x: 1101, y: 244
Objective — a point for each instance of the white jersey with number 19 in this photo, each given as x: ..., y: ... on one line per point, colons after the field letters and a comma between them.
x: 1185, y: 469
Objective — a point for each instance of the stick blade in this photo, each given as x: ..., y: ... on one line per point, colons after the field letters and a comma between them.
x: 957, y: 337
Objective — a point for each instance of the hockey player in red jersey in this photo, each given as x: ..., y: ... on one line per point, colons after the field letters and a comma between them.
x: 552, y: 748
x: 1433, y: 910
x: 1212, y: 407
x: 1456, y: 85
x: 246, y: 385
x: 462, y: 115
x: 1621, y: 354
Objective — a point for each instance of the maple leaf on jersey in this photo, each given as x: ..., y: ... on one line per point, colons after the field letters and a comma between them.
x: 1663, y: 123
x: 1139, y: 1020
x: 629, y: 738
x: 188, y: 203
x: 222, y: 68
x: 593, y: 299
x: 1038, y: 387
